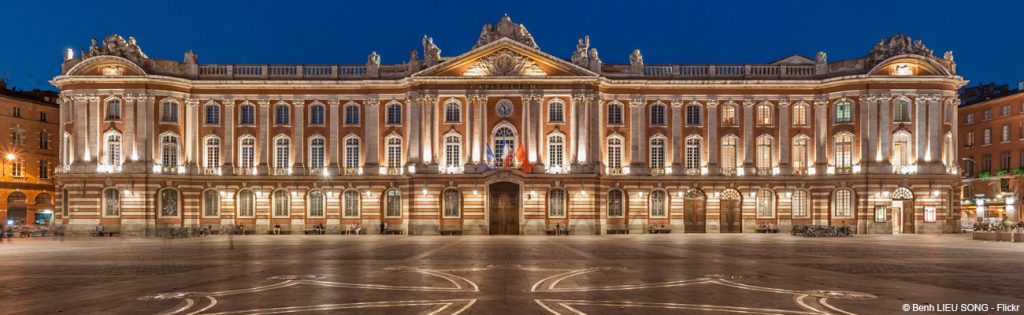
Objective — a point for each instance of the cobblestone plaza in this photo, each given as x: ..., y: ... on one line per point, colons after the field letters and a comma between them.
x: 782, y: 274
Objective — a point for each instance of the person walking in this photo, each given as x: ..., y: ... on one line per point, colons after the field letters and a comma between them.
x: 383, y: 227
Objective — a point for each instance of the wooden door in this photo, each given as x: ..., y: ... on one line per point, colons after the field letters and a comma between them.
x: 504, y: 209
x: 694, y: 216
x: 908, y: 217
x: 731, y: 221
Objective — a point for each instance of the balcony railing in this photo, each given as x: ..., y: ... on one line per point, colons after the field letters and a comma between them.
x: 350, y: 171
x: 844, y: 170
x: 657, y: 171
x: 729, y: 171
x: 800, y: 171
x: 764, y: 171
x: 210, y: 171
x: 693, y: 171
x: 615, y: 170
x: 712, y: 71
x: 244, y: 171
x: 282, y: 171
x: 168, y: 169
x: 394, y: 170
x: 450, y: 169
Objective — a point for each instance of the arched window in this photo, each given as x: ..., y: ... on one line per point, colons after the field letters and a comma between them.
x: 801, y: 203
x: 452, y: 202
x: 843, y: 203
x: 693, y: 115
x: 800, y: 115
x: 504, y: 140
x: 394, y: 151
x: 901, y: 110
x: 393, y: 202
x: 556, y: 111
x: 168, y: 202
x: 844, y: 111
x: 394, y: 114
x: 800, y: 156
x: 247, y: 114
x: 114, y: 109
x: 657, y: 115
x: 764, y: 114
x: 211, y: 203
x: 316, y: 114
x: 44, y: 199
x: 556, y: 151
x: 729, y: 154
x: 903, y: 193
x: 316, y: 152
x: 352, y: 114
x: 169, y: 150
x: 317, y: 203
x: 843, y: 153
x: 246, y: 203
x: 763, y: 157
x: 614, y: 158
x: 113, y: 145
x: 452, y: 112
x: 282, y: 152
x: 352, y: 152
x: 212, y: 114
x: 614, y: 114
x: 282, y: 114
x: 556, y: 202
x: 728, y: 115
x: 212, y: 151
x: 657, y: 152
x: 111, y: 202
x: 693, y: 154
x: 169, y: 111
x: 247, y: 152
x: 659, y: 203
x: 615, y: 203
x: 900, y: 149
x: 452, y: 150
x: 282, y: 203
x: 351, y: 204
x: 765, y: 203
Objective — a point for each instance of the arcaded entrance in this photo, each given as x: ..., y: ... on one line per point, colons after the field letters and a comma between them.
x: 731, y: 213
x: 503, y: 207
x: 694, y: 214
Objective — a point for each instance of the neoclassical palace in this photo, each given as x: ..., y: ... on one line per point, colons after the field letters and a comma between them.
x: 507, y: 139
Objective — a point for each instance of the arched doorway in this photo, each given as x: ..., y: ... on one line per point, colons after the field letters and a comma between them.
x: 503, y: 207
x: 903, y: 210
x: 730, y: 217
x: 17, y: 208
x: 694, y: 215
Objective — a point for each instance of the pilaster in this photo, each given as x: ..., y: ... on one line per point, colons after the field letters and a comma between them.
x: 371, y: 136
x: 263, y: 139
x: 784, y: 149
x: 712, y: 148
x: 677, y: 136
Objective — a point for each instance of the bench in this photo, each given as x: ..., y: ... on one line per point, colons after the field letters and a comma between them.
x: 618, y: 231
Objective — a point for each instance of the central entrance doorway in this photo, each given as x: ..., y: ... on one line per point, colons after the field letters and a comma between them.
x: 731, y: 214
x: 503, y: 206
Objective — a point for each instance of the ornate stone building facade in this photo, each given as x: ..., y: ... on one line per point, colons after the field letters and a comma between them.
x: 507, y: 139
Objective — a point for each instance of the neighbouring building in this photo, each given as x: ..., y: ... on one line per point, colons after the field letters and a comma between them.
x: 508, y: 139
x: 28, y: 155
x: 992, y: 154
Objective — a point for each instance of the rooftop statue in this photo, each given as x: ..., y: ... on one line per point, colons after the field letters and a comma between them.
x: 116, y: 45
x: 898, y: 44
x: 431, y: 53
x: 505, y: 29
x: 579, y: 56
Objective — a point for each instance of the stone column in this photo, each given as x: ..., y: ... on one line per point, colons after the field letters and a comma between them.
x: 65, y: 104
x: 573, y: 122
x: 371, y: 165
x: 748, y: 137
x: 582, y: 130
x: 677, y: 136
x: 865, y: 120
x: 299, y: 134
x: 79, y: 119
x: 820, y: 136
x: 95, y: 115
x: 413, y: 130
x: 954, y: 103
x: 530, y: 137
x: 128, y: 142
x: 934, y: 127
x: 227, y: 161
x: 784, y: 150
x: 263, y: 139
x: 435, y: 137
x: 475, y: 102
x: 191, y: 133
x: 920, y: 131
x: 883, y: 131
x: 146, y: 138
x: 539, y: 116
x: 638, y: 130
x: 596, y: 132
x: 712, y: 148
x: 334, y: 122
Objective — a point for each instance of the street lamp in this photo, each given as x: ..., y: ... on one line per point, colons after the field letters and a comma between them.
x: 3, y: 166
x: 967, y: 159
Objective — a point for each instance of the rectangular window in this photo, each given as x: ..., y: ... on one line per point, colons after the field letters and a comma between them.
x: 929, y: 214
x: 986, y: 114
x: 1006, y: 110
x: 970, y: 119
x: 1004, y: 161
x: 801, y: 203
x: 16, y: 112
x: 1006, y: 133
x: 986, y: 137
x: 970, y: 139
x: 986, y: 163
x: 44, y: 169
x: 281, y: 154
x: 693, y: 115
x: 556, y: 112
x: 17, y: 168
x: 844, y: 203
x: 42, y: 117
x: 880, y: 213
x: 44, y: 140
x: 615, y: 156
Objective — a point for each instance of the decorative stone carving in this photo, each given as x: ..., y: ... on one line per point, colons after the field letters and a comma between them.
x: 579, y: 56
x: 505, y: 63
x: 373, y: 64
x: 505, y: 29
x: 115, y: 45
x: 897, y: 45
x: 636, y: 58
x: 191, y: 57
x: 431, y: 53
x: 821, y: 58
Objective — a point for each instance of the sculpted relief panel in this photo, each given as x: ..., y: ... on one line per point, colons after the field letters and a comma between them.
x: 505, y: 63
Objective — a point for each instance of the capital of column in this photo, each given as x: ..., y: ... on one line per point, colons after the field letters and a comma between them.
x: 372, y: 102
x: 784, y: 102
x: 93, y: 98
x: 334, y: 102
x: 712, y: 103
x: 955, y: 101
x: 228, y: 102
x: 677, y: 102
x: 192, y: 102
x: 748, y: 103
x: 298, y: 102
x: 637, y: 101
x: 819, y: 103
x: 263, y: 102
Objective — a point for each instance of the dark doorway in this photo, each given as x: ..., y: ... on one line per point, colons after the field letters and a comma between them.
x: 731, y: 215
x: 694, y: 213
x: 504, y: 209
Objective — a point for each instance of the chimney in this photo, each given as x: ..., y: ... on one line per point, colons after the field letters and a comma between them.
x: 1020, y: 85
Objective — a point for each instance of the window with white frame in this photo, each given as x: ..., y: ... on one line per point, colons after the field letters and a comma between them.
x: 352, y: 114
x: 659, y: 203
x: 614, y: 114
x: 111, y: 202
x: 800, y: 115
x: 211, y: 203
x: 504, y: 140
x: 246, y: 203
x: 844, y: 111
x: 452, y: 202
x: 212, y: 114
x: 1006, y: 133
x: 800, y: 149
x: 316, y: 114
x: 247, y: 152
x: 764, y: 152
x: 18, y: 168
x: 282, y: 114
x: 729, y: 152
x: 657, y: 152
x: 247, y: 115
x: 393, y: 202
x: 801, y: 203
x: 901, y: 110
x: 930, y: 214
x: 282, y: 152
x: 282, y: 203
x: 614, y: 159
x: 113, y: 109
x: 693, y: 148
x: 693, y: 115
x: 986, y: 114
x: 316, y: 152
x: 556, y: 150
x: 728, y: 115
x: 113, y: 140
x: 352, y: 152
x: 169, y: 111
x: 615, y: 203
x: 1006, y: 110
x: 452, y: 112
x: 556, y: 202
x: 394, y: 151
x: 351, y: 203
x: 765, y: 203
x: 843, y: 151
x: 17, y: 136
x: 556, y: 112
x: 987, y: 136
x: 44, y: 140
x: 394, y: 112
x: 44, y: 169
x: 169, y: 150
x: 316, y: 203
x: 764, y: 115
x: 843, y: 203
x: 969, y: 119
x: 658, y: 115
x: 212, y: 152
x: 453, y: 150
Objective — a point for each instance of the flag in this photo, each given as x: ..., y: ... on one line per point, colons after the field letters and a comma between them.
x: 490, y: 158
x: 524, y: 164
x: 507, y: 156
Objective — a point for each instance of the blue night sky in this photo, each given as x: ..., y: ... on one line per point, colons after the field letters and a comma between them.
x: 984, y: 36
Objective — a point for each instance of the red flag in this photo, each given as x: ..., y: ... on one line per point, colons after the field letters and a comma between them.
x: 507, y: 155
x: 524, y: 164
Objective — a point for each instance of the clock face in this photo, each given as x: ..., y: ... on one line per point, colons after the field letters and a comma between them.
x: 504, y: 108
